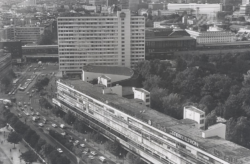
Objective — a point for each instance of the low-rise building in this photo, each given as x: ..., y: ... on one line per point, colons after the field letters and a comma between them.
x: 212, y: 36
x: 27, y: 34
x: 154, y: 136
x: 112, y: 73
x: 160, y: 43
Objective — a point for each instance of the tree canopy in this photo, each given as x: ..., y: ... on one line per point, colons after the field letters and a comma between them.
x: 29, y: 156
x: 14, y: 138
x: 216, y: 84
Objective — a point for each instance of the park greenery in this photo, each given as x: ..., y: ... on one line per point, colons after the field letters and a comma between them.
x: 41, y: 83
x: 217, y: 84
x: 7, y: 79
x: 23, y: 131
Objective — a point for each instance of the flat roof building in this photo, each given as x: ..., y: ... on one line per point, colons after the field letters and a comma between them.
x: 212, y: 36
x: 111, y: 40
x: 156, y: 137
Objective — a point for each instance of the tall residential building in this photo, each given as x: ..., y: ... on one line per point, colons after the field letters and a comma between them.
x: 154, y: 136
x: 111, y: 40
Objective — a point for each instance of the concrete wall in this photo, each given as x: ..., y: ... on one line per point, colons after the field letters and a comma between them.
x: 88, y: 76
x: 116, y: 90
x: 215, y: 130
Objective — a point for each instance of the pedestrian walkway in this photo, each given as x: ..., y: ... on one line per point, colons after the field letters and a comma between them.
x: 8, y: 154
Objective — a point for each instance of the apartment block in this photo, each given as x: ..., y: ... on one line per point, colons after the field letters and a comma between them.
x: 27, y: 34
x: 155, y: 137
x: 111, y: 40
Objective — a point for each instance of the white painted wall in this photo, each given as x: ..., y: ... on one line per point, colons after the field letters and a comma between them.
x: 88, y: 76
x: 215, y: 130
x: 116, y: 90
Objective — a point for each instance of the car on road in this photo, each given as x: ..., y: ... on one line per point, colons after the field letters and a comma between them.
x: 103, y: 159
x: 27, y: 114
x: 54, y: 125
x: 82, y: 145
x: 59, y: 150
x: 63, y: 133
x: 91, y: 157
x: 93, y: 153
x: 40, y: 124
x: 76, y: 142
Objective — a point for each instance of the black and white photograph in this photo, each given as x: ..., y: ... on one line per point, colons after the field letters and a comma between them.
x: 124, y: 81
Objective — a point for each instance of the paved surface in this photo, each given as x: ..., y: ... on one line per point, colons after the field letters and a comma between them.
x: 22, y: 96
x: 7, y: 154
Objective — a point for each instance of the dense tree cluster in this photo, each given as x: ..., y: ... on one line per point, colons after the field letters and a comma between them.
x: 216, y: 84
x: 23, y: 131
x: 6, y: 80
x: 45, y: 103
x: 41, y: 83
x: 46, y: 38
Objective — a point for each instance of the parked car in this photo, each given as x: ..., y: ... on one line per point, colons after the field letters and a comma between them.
x: 85, y: 152
x: 93, y: 153
x: 82, y: 145
x: 54, y: 125
x: 37, y: 113
x: 103, y: 159
x: 40, y: 124
x: 59, y: 150
x: 91, y: 157
x: 76, y: 142
x: 63, y: 133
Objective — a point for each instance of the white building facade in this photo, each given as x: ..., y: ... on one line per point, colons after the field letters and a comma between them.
x: 210, y: 37
x: 112, y: 40
x: 161, y: 140
x: 193, y: 113
x: 198, y: 8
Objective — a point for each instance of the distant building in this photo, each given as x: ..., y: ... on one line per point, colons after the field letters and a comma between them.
x: 98, y: 2
x: 245, y: 2
x: 142, y: 94
x: 162, y: 43
x: 27, y: 34
x: 112, y: 73
x: 212, y: 36
x: 244, y: 10
x: 157, y: 6
x: 129, y: 4
x: 195, y: 114
x: 198, y: 8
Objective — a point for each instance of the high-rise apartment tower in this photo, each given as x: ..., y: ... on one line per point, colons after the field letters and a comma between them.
x: 111, y: 40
